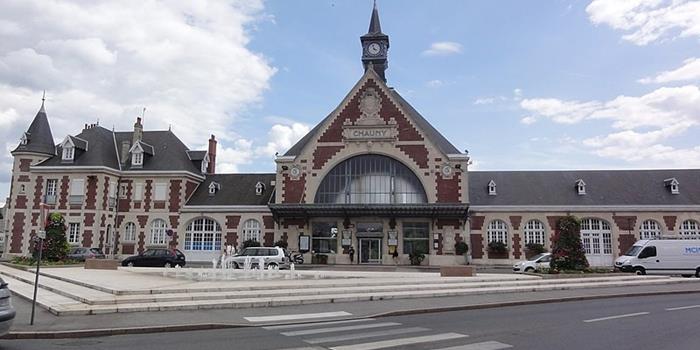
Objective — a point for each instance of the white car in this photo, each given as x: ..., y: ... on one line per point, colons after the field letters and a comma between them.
x: 275, y: 257
x: 535, y: 263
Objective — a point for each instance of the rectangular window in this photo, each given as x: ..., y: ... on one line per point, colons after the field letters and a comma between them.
x: 324, y: 237
x: 73, y: 233
x: 77, y: 190
x: 137, y: 158
x: 138, y: 192
x: 51, y: 187
x: 123, y: 190
x: 68, y: 153
x: 416, y: 237
x: 160, y: 192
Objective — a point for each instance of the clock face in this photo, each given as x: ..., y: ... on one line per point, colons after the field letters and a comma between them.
x: 374, y: 48
x: 447, y: 170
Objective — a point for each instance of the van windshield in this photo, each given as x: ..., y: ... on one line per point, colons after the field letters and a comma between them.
x: 633, y: 250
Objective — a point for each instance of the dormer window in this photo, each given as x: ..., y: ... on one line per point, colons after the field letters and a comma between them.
x: 492, y: 188
x: 25, y: 138
x: 213, y: 188
x: 259, y: 188
x: 205, y: 164
x: 137, y: 158
x: 138, y: 150
x: 68, y: 153
x: 672, y: 185
x: 580, y: 187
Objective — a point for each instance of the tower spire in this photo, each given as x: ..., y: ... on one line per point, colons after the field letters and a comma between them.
x: 375, y: 45
x: 43, y: 98
x: 374, y: 26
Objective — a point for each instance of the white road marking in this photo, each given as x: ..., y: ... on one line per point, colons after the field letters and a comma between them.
x: 400, y: 342
x: 616, y: 317
x: 487, y: 345
x: 296, y: 316
x: 366, y: 335
x: 683, y: 307
x: 301, y: 325
x: 340, y: 329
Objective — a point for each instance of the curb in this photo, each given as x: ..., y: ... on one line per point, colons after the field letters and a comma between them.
x: 525, y: 302
x: 67, y: 334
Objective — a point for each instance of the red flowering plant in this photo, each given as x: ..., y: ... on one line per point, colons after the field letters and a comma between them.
x: 568, y: 252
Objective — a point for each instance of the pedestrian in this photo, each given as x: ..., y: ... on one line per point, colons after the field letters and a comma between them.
x: 351, y: 252
x: 395, y: 255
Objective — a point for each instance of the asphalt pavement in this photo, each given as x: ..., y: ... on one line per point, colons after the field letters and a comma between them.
x: 640, y: 323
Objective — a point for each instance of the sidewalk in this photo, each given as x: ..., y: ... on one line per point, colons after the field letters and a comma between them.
x: 50, y: 326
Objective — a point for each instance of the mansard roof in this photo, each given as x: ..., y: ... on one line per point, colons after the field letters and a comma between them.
x: 603, y: 187
x: 432, y: 134
x: 168, y: 152
x: 235, y: 189
x: 39, y: 137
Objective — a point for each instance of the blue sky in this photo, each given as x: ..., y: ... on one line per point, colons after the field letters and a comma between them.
x: 520, y: 84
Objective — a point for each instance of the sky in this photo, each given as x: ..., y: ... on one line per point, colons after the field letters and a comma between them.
x: 520, y: 85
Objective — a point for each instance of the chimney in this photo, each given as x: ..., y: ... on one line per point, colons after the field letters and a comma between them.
x: 211, y: 168
x: 125, y: 151
x: 138, y: 131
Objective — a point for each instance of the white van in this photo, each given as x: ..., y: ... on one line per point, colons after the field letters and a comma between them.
x: 662, y: 257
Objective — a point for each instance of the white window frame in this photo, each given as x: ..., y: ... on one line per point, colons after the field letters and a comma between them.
x: 203, y: 234
x: 492, y: 188
x: 690, y: 229
x: 649, y: 229
x: 596, y: 236
x: 73, y: 236
x: 581, y: 187
x: 123, y: 190
x: 259, y: 188
x: 137, y: 158
x: 68, y: 153
x: 129, y: 232
x: 251, y: 230
x: 497, y: 231
x: 52, y: 190
x: 138, y: 192
x: 160, y: 192
x: 158, y: 236
x: 534, y: 232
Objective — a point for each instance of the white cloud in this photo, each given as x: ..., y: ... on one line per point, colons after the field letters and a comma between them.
x: 484, y: 100
x: 443, y: 48
x: 528, y: 120
x: 187, y: 62
x: 690, y: 70
x: 646, y: 21
x: 229, y: 159
x: 647, y: 124
x: 282, y: 137
x: 435, y: 83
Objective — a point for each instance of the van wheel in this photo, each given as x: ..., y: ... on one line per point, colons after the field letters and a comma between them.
x: 272, y: 266
x: 640, y: 271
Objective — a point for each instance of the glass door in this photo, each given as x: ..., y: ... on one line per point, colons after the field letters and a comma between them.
x: 370, y: 250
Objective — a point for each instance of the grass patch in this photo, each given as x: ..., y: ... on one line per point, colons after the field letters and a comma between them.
x: 30, y: 261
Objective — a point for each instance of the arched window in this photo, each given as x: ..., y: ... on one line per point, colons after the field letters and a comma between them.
x: 497, y: 232
x: 129, y: 232
x: 690, y: 229
x: 534, y: 232
x: 251, y: 230
x: 203, y: 234
x: 596, y: 236
x: 158, y: 232
x: 371, y: 179
x: 650, y: 229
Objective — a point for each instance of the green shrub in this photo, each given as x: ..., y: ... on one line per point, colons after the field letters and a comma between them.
x: 498, y: 247
x: 568, y: 252
x: 55, y: 246
x: 416, y: 258
x: 461, y: 248
x: 535, y: 248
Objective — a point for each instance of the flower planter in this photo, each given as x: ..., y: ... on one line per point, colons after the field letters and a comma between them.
x: 498, y: 255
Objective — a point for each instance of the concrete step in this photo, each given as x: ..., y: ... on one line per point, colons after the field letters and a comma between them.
x: 66, y: 289
x: 46, y: 299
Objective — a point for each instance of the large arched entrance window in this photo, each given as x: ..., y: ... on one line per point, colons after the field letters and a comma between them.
x: 203, y: 234
x: 371, y: 179
x: 597, y: 241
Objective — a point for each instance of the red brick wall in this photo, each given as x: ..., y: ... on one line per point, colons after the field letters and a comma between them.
x: 91, y: 194
x: 268, y: 222
x: 232, y: 222
x: 23, y: 178
x: 147, y: 195
x: 625, y: 242
x: 269, y: 239
x: 89, y: 219
x: 189, y: 189
x: 105, y: 193
x: 448, y: 190
x: 24, y: 164
x: 174, y: 223
x: 477, y: 222
x: 418, y: 153
x: 516, y: 246
x: 125, y: 203
x: 17, y: 233
x: 143, y: 220
x: 323, y: 153
x: 21, y: 202
x: 515, y: 221
x: 293, y: 189
x: 448, y: 222
x: 87, y: 238
x: 174, y: 203
x: 670, y: 222
x: 625, y: 223
x: 38, y: 189
x: 477, y: 245
x: 63, y: 199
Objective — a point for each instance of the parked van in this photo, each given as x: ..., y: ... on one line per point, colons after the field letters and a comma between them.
x: 275, y: 257
x: 662, y: 257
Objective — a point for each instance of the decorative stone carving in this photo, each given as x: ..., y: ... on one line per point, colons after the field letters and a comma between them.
x: 295, y: 171
x: 370, y: 105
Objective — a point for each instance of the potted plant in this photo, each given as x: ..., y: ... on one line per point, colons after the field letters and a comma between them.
x: 416, y: 258
x: 532, y: 249
x: 461, y: 248
x: 498, y: 250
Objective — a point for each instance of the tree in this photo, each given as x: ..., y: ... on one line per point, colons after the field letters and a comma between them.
x: 55, y: 246
x: 568, y: 252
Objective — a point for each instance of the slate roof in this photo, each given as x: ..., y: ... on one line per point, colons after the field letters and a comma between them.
x: 79, y: 142
x: 236, y: 189
x: 168, y: 152
x: 444, y: 145
x: 603, y: 187
x: 147, y: 148
x: 196, y: 155
x: 39, y: 137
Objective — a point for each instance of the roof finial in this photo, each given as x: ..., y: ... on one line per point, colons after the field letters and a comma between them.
x: 43, y: 98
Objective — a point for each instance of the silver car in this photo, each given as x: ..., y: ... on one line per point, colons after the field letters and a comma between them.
x: 275, y: 257
x: 7, y: 312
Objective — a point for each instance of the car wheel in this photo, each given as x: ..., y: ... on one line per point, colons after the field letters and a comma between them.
x: 235, y: 266
x: 130, y: 264
x: 272, y: 266
x: 168, y: 265
x: 686, y: 276
x: 697, y: 273
x: 640, y: 271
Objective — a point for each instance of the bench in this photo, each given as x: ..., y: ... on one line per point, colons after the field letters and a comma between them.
x: 101, y: 264
x: 457, y: 271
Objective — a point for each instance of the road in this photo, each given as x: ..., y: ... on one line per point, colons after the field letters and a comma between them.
x: 654, y: 322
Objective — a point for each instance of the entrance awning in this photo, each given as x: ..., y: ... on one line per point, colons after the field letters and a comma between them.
x: 436, y: 210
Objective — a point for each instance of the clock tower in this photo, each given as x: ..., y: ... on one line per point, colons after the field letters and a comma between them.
x: 375, y: 46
